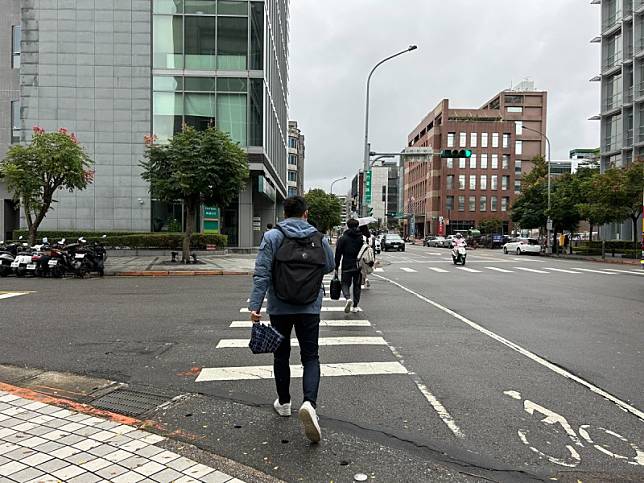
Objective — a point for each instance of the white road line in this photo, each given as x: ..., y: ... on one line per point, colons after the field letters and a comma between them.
x: 531, y: 270
x: 12, y: 294
x: 625, y: 271
x: 471, y: 270
x: 560, y: 270
x: 408, y: 270
x: 378, y: 269
x: 324, y: 309
x: 323, y: 341
x: 525, y: 259
x: 326, y: 370
x: 439, y: 270
x: 502, y: 270
x: 531, y: 355
x: 247, y: 324
x: 593, y: 271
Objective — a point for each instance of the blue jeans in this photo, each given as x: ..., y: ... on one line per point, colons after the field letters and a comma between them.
x: 307, y: 330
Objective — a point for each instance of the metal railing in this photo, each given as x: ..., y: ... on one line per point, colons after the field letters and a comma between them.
x: 612, y: 61
x: 639, y: 91
x: 611, y: 20
x: 613, y: 101
x: 628, y: 137
x: 641, y: 132
x: 637, y: 4
x: 612, y: 143
x: 628, y: 95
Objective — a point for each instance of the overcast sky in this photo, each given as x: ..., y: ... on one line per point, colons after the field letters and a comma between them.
x: 469, y: 50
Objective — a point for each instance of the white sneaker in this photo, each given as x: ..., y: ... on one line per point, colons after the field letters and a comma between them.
x: 283, y: 410
x: 309, y: 420
x: 355, y: 310
x: 347, y: 307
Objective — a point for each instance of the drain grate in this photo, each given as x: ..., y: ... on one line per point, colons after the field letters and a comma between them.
x: 130, y: 402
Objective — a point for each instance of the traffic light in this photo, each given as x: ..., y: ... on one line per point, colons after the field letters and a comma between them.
x: 456, y: 153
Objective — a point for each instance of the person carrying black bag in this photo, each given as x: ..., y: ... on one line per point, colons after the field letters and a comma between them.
x: 346, y: 254
x: 289, y: 269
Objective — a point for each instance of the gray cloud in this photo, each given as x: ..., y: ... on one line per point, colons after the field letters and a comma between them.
x: 468, y: 51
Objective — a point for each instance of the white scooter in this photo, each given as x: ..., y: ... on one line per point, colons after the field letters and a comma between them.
x: 459, y: 254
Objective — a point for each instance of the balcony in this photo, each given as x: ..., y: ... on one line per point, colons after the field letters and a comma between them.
x: 628, y: 95
x: 611, y: 61
x: 612, y: 20
x: 612, y: 143
x: 639, y: 90
x: 638, y: 6
x: 612, y: 102
x: 628, y: 138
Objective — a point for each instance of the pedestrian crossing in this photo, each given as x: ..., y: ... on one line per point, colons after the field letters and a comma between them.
x: 8, y: 295
x: 510, y: 269
x: 339, y: 332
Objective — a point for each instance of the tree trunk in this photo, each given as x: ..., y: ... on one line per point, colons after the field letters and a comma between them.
x: 635, y: 235
x: 590, y: 238
x: 190, y: 223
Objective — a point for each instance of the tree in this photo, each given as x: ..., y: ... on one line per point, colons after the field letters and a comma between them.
x: 566, y: 197
x: 530, y: 207
x: 33, y: 173
x: 324, y: 209
x: 195, y: 167
x: 490, y: 225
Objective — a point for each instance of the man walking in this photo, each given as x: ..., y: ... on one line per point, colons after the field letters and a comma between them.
x: 347, y: 251
x: 290, y: 267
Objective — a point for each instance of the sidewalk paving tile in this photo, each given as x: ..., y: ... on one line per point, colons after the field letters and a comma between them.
x: 63, y: 445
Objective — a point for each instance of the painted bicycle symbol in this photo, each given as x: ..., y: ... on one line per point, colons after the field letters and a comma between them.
x: 586, y: 432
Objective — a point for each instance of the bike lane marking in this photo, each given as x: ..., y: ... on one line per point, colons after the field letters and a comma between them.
x: 521, y: 350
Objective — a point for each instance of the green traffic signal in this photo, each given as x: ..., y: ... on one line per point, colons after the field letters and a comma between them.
x: 455, y: 153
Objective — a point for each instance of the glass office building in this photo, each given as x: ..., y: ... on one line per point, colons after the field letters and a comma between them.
x: 116, y: 71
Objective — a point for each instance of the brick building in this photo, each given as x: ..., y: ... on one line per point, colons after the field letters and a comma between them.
x: 466, y: 191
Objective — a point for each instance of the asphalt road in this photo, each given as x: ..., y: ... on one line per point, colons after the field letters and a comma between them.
x: 517, y: 368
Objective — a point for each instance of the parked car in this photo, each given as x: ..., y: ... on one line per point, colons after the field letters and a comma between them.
x: 521, y: 246
x: 393, y: 242
x: 427, y: 240
x: 436, y: 242
x: 447, y: 242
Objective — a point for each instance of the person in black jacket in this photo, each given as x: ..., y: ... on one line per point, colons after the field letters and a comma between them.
x: 347, y: 251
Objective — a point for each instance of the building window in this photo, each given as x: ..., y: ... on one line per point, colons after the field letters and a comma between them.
x: 505, y: 201
x: 484, y: 140
x: 473, y: 161
x: 292, y: 191
x: 494, y: 182
x: 473, y: 140
x: 461, y: 163
x: 292, y: 175
x: 257, y: 35
x: 483, y: 203
x: 517, y: 186
x: 472, y: 203
x: 517, y: 166
x: 518, y: 147
x: 505, y: 182
x: 495, y: 139
x: 506, y: 140
x: 461, y: 181
x: 232, y: 41
x: 462, y: 139
x: 483, y: 182
x: 461, y: 203
x: 518, y: 127
x: 492, y: 203
x: 495, y: 161
x: 16, y: 35
x: 514, y: 109
x: 16, y: 124
x: 292, y: 143
x: 292, y: 159
x: 168, y: 41
x: 450, y: 203
x: 450, y: 139
x: 450, y: 181
x: 505, y: 161
x: 483, y: 161
x: 450, y: 163
x: 472, y: 182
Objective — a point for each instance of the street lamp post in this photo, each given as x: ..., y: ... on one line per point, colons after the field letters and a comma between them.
x: 366, y: 122
x: 335, y: 181
x: 549, y: 222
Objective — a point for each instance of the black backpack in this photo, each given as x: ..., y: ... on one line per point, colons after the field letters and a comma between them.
x: 298, y: 269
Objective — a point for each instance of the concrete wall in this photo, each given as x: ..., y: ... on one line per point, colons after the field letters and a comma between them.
x: 86, y: 67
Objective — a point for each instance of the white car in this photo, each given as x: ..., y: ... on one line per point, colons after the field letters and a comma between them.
x: 521, y: 246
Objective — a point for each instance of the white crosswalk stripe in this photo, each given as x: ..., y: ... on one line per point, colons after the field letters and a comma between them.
x: 408, y: 270
x: 593, y: 271
x: 502, y: 270
x: 324, y: 309
x: 471, y: 270
x: 247, y: 324
x: 326, y: 370
x: 530, y: 270
x: 8, y: 295
x: 633, y: 272
x: 438, y: 270
x: 323, y: 341
x: 560, y: 270
x: 379, y: 269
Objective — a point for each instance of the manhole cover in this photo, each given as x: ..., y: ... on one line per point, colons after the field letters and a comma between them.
x: 130, y: 402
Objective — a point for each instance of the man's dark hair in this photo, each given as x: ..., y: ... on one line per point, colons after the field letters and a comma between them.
x: 353, y: 223
x: 269, y: 226
x: 294, y: 207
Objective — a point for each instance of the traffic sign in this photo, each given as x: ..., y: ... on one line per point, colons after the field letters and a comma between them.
x: 367, y: 182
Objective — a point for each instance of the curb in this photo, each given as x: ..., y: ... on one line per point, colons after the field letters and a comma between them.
x: 182, y: 273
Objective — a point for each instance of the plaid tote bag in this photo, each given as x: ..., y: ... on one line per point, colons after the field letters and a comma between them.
x: 264, y: 339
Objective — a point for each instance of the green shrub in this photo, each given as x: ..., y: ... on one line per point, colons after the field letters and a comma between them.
x: 610, y: 244
x: 170, y: 241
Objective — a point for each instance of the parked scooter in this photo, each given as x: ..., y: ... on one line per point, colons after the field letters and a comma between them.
x: 22, y: 260
x: 8, y: 254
